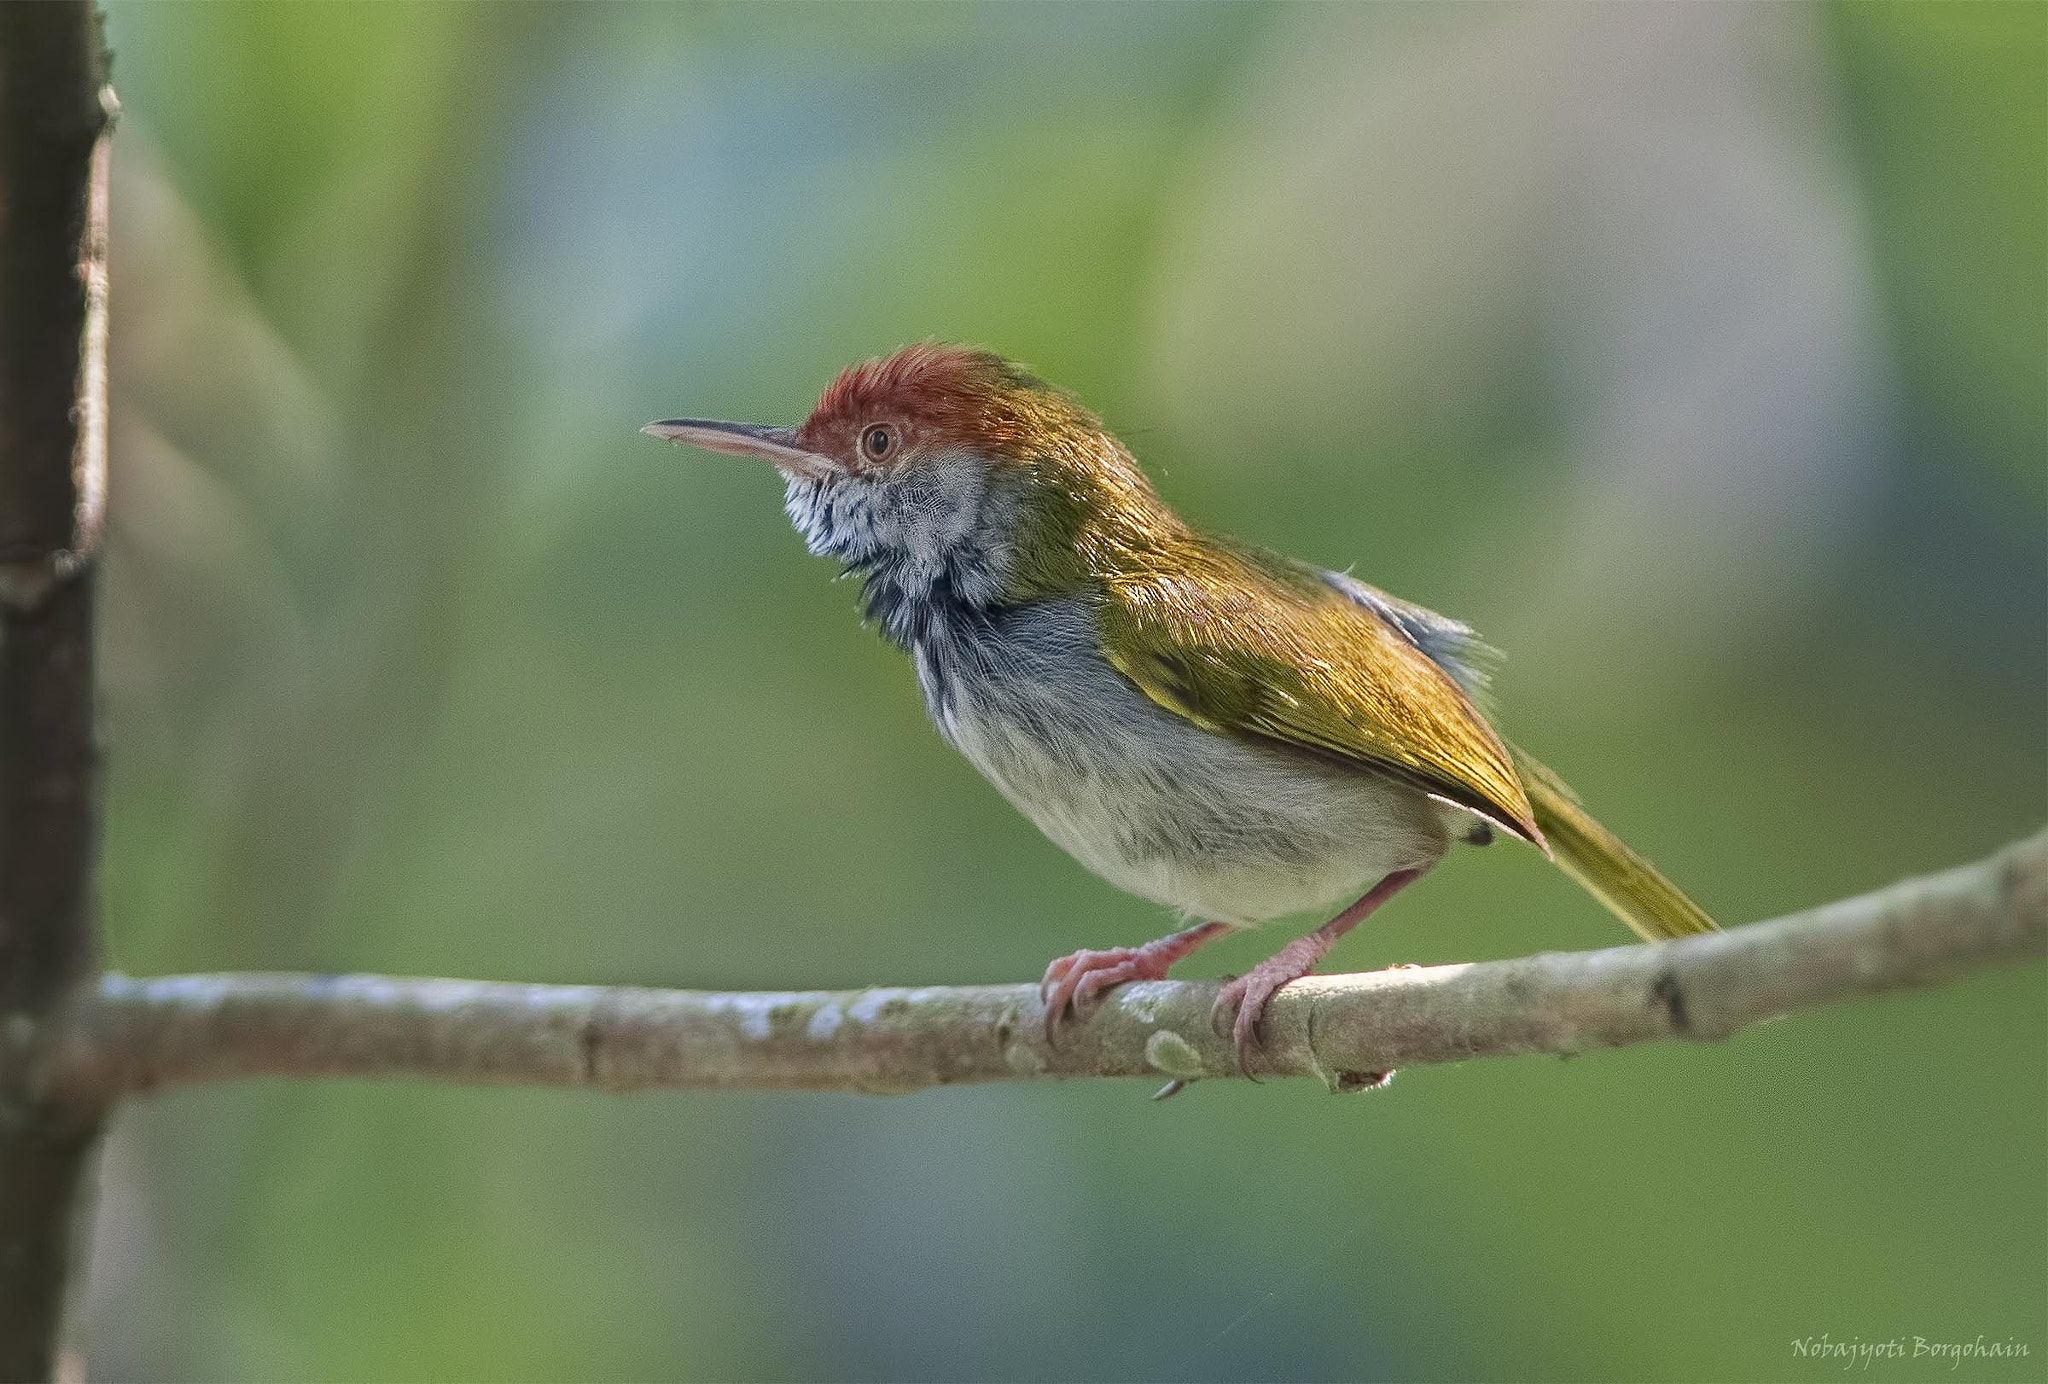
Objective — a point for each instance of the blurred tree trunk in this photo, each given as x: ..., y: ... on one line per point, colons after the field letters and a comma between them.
x: 55, y: 112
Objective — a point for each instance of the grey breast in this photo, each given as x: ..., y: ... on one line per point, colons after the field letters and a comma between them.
x: 1027, y: 695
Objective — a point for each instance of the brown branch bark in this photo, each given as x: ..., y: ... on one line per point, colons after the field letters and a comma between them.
x: 55, y: 110
x: 140, y: 1035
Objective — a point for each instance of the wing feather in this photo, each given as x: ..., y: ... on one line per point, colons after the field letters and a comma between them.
x: 1253, y: 645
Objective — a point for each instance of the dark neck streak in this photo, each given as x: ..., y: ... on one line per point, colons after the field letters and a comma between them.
x: 919, y: 611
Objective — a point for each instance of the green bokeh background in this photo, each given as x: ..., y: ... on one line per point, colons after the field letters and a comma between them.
x: 1695, y: 353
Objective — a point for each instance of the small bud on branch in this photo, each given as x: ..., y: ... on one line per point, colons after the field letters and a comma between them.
x: 133, y: 1035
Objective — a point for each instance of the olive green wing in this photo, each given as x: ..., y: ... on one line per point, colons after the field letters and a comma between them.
x: 1252, y: 645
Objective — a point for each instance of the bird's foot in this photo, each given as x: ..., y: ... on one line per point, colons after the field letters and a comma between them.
x: 1072, y: 982
x: 1241, y: 1003
x: 1241, y: 1010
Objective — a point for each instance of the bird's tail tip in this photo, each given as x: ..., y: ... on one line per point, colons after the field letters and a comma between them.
x: 1631, y: 887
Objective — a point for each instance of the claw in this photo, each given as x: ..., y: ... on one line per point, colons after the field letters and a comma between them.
x: 1244, y: 1001
x: 1054, y: 972
x: 1072, y: 982
x: 1240, y: 1008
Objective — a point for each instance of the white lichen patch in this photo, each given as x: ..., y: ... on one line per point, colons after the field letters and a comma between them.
x: 1023, y: 1059
x: 755, y: 1013
x: 1142, y: 999
x: 1170, y: 1053
x: 871, y: 1003
x: 825, y: 1023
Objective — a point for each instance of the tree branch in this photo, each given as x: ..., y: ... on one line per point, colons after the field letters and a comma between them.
x: 140, y: 1035
x: 55, y: 110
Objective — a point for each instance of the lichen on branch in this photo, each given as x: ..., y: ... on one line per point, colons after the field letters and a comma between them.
x: 133, y: 1035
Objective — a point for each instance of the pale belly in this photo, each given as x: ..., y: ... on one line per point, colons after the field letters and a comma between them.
x: 1223, y: 830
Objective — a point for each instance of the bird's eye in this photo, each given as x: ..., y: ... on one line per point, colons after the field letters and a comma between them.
x: 877, y: 441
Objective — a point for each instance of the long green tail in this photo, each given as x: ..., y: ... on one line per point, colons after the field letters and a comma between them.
x: 1612, y: 873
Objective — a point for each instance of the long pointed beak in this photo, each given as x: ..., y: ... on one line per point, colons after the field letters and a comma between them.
x: 745, y: 440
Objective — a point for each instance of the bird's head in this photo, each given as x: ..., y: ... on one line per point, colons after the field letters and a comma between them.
x: 938, y: 472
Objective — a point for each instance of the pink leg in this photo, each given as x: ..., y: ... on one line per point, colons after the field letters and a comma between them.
x: 1243, y: 1000
x: 1072, y: 981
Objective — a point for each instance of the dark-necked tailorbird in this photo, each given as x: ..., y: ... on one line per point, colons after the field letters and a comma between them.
x: 1211, y: 726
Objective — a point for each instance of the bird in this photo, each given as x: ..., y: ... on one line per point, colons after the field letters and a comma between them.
x: 1223, y: 730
